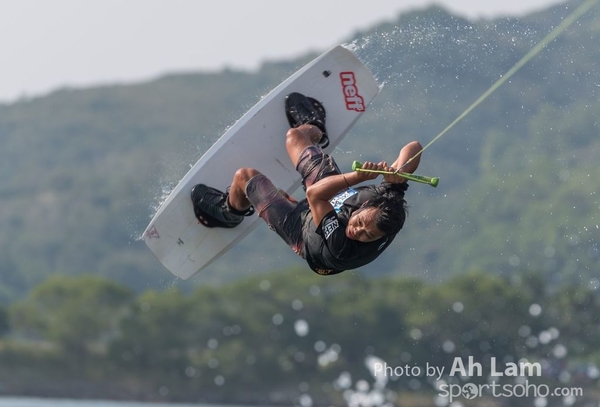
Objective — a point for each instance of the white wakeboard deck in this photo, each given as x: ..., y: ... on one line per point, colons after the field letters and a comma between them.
x: 344, y: 86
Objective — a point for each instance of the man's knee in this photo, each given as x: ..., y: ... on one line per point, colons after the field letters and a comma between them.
x: 293, y: 136
x: 243, y: 175
x: 303, y: 135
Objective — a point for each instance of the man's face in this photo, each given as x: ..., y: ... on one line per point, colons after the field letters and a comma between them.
x: 361, y: 226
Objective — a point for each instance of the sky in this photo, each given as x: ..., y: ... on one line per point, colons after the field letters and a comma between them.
x: 46, y: 45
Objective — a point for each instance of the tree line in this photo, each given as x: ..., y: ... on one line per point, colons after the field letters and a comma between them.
x: 277, y: 338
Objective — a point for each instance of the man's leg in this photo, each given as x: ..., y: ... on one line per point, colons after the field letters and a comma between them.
x: 308, y: 158
x: 237, y: 191
x: 281, y: 214
x: 297, y: 139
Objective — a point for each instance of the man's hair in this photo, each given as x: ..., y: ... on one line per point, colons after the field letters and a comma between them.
x: 391, y: 212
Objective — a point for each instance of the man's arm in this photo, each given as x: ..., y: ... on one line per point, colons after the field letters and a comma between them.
x: 411, y: 151
x: 319, y: 194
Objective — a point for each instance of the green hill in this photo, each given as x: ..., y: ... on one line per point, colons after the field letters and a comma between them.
x: 83, y: 170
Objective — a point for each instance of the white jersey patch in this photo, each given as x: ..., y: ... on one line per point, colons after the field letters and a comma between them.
x: 329, y: 226
x: 338, y: 201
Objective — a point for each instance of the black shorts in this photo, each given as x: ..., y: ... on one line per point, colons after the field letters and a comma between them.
x: 281, y: 214
x: 314, y: 165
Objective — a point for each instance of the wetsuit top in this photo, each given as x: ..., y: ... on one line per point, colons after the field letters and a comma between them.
x: 327, y: 249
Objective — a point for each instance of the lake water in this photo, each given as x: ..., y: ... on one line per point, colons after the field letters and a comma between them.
x: 37, y: 402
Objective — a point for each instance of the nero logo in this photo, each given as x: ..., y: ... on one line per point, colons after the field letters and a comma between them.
x: 354, y: 101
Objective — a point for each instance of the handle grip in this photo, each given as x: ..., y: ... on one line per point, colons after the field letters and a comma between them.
x: 433, y: 181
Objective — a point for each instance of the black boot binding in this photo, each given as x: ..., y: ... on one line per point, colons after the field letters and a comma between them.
x: 300, y: 110
x: 212, y: 208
